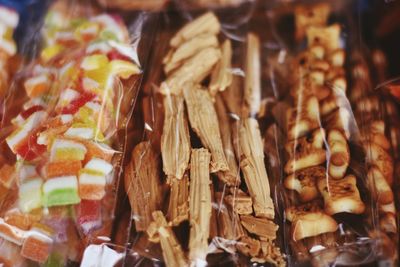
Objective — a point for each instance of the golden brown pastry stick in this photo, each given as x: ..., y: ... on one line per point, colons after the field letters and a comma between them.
x: 199, y: 204
x: 175, y: 139
x: 252, y: 165
x: 204, y: 121
x: 142, y: 184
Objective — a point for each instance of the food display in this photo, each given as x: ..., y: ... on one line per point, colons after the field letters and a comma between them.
x: 199, y: 133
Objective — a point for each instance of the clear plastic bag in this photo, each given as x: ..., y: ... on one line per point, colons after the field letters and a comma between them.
x: 68, y: 140
x: 328, y: 191
x: 189, y: 205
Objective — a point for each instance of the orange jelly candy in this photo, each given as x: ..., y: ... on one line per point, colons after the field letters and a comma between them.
x: 62, y: 168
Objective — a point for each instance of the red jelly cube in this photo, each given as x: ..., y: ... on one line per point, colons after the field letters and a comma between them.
x: 29, y: 149
x: 89, y: 215
x: 77, y: 103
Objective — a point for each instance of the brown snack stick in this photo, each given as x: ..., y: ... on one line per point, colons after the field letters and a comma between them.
x: 142, y: 184
x: 204, y: 121
x: 375, y: 133
x: 341, y: 195
x: 304, y: 182
x: 253, y: 167
x: 193, y: 71
x: 205, y: 24
x: 328, y: 37
x: 171, y: 249
x: 306, y: 151
x: 175, y: 139
x: 178, y: 207
x: 303, y: 118
x: 312, y: 15
x: 339, y: 150
x: 337, y: 57
x: 188, y: 49
x: 221, y: 77
x: 199, y: 204
x: 312, y: 224
x: 232, y: 176
x: 380, y: 188
x: 252, y: 81
x: 377, y: 156
x: 339, y: 119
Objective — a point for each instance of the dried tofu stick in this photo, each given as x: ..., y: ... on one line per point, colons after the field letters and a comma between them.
x: 233, y: 96
x: 175, y: 139
x: 261, y: 227
x: 207, y: 23
x: 221, y: 77
x: 252, y: 82
x: 240, y: 203
x: 204, y: 121
x: 229, y: 226
x: 178, y: 207
x: 171, y: 250
x: 252, y: 165
x: 153, y: 120
x: 188, y: 49
x: 194, y: 70
x: 142, y: 184
x: 232, y: 176
x: 213, y: 219
x: 199, y: 204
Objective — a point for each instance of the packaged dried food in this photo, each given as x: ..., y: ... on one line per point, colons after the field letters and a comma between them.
x: 213, y: 199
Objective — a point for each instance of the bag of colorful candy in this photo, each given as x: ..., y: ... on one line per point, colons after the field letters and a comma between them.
x: 65, y: 141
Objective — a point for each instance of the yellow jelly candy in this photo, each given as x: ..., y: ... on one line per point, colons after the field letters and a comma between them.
x: 51, y: 51
x: 123, y: 69
x: 94, y: 62
x: 87, y: 29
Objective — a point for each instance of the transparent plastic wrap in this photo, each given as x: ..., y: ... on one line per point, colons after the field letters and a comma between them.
x: 67, y: 143
x: 9, y: 19
x: 328, y: 201
x: 197, y: 182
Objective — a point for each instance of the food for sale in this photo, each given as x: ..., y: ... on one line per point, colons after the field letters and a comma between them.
x: 325, y: 188
x: 203, y: 148
x: 64, y: 175
x: 379, y: 148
